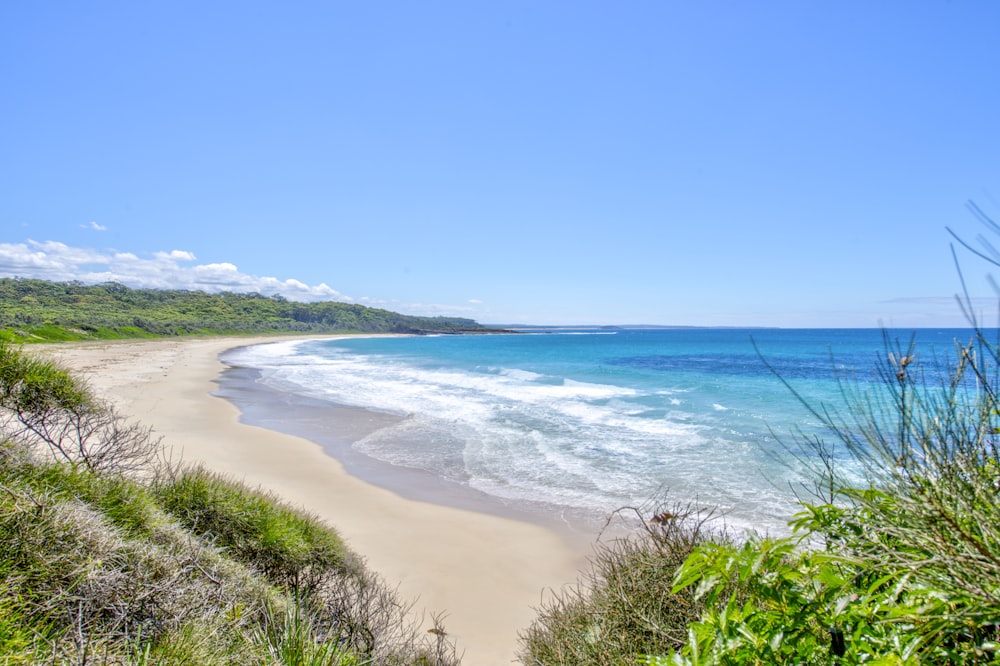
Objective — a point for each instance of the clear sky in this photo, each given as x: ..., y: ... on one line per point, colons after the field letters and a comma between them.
x: 789, y: 163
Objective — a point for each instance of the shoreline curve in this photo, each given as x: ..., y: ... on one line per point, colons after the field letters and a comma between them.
x: 485, y: 573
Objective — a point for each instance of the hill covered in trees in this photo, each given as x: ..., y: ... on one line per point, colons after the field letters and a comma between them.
x: 39, y: 310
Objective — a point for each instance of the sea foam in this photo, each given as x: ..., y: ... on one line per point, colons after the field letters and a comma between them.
x: 591, y: 421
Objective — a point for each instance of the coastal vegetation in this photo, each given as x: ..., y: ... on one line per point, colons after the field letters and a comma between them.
x: 42, y: 311
x: 111, y: 555
x: 893, y: 559
x: 625, y: 605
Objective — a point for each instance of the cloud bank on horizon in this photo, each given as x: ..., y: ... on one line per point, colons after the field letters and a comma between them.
x: 177, y: 269
x: 58, y: 262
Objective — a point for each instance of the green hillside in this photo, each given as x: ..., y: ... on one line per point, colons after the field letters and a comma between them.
x: 42, y: 311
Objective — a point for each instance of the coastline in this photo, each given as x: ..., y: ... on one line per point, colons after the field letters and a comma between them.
x: 485, y: 572
x: 311, y: 418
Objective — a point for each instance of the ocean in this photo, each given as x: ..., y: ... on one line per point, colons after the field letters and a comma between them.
x: 574, y: 422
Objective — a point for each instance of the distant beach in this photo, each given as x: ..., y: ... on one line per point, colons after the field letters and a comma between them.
x: 484, y: 571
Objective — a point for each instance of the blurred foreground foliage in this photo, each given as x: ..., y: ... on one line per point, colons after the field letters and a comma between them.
x: 42, y: 311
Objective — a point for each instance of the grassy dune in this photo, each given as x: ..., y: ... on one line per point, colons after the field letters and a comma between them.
x: 110, y: 557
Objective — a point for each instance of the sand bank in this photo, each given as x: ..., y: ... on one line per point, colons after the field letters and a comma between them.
x: 487, y: 573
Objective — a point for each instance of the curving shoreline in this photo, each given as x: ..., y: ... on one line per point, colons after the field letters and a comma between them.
x: 485, y: 572
x: 337, y: 427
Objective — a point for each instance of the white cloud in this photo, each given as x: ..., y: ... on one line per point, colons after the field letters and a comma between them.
x: 175, y: 255
x: 64, y: 254
x: 51, y: 260
x: 475, y: 301
x: 94, y: 225
x: 47, y: 261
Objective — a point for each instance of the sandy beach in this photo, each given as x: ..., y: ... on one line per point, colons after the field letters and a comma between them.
x: 485, y: 573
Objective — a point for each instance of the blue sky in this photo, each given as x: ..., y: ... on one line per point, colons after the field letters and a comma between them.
x: 686, y: 163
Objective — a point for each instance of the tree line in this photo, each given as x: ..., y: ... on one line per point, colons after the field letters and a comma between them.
x: 36, y: 310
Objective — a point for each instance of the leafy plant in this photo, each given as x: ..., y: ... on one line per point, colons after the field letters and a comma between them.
x: 901, y: 569
x: 294, y: 641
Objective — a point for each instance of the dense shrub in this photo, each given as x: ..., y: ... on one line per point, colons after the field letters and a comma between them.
x: 625, y: 604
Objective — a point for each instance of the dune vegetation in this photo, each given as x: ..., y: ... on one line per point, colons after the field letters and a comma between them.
x: 109, y: 555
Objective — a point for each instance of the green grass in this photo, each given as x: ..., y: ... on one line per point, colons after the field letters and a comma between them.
x: 625, y: 604
x: 33, y: 334
x: 71, y: 333
x: 189, y: 569
x: 95, y: 587
x: 127, y: 505
x: 288, y: 546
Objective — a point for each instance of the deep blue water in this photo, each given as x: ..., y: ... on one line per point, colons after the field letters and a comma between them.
x: 597, y: 419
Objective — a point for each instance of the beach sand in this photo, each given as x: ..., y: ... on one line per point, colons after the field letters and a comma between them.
x: 486, y: 573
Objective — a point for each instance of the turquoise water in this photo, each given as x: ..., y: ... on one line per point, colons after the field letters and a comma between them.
x: 595, y: 419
